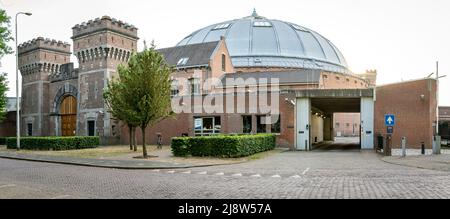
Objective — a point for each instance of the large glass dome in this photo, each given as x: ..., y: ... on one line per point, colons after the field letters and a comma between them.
x: 256, y: 41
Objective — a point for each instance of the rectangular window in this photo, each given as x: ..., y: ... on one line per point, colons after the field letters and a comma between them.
x: 174, y: 91
x: 91, y: 128
x: 337, y: 125
x: 276, y: 125
x: 261, y: 124
x: 221, y: 26
x: 206, y: 126
x: 182, y: 61
x: 195, y: 86
x: 262, y: 24
x: 224, y: 62
x: 30, y: 129
x: 246, y: 124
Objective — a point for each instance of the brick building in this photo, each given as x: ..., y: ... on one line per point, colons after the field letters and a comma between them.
x: 233, y: 61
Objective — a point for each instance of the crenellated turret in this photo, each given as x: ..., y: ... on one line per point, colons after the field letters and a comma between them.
x: 104, y: 39
x: 43, y: 56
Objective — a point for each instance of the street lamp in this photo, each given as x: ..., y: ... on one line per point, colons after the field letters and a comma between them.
x: 17, y: 83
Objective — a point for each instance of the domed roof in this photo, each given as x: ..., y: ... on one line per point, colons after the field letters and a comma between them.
x: 256, y: 41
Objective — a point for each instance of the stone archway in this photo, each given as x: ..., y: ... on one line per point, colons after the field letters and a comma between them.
x: 65, y: 110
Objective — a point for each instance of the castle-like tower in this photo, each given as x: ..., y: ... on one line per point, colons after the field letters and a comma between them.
x: 100, y: 46
x: 38, y: 59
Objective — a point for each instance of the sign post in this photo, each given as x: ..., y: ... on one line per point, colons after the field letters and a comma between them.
x: 389, y: 121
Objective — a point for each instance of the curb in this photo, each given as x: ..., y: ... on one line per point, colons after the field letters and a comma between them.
x: 412, y: 166
x: 108, y: 166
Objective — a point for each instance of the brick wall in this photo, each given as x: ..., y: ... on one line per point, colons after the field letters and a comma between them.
x: 414, y: 105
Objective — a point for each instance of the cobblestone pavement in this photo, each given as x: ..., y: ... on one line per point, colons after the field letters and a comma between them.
x: 285, y: 175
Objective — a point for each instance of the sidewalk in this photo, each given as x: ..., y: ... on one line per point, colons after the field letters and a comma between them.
x: 430, y: 162
x: 103, y: 163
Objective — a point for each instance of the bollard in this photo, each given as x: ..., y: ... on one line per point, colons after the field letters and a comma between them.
x: 437, y: 145
x: 423, y: 148
x: 404, y: 147
x: 388, y: 146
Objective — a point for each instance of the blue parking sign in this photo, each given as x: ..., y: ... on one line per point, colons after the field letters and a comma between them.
x: 389, y: 120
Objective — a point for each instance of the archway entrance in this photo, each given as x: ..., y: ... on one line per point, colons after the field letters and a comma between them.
x: 68, y: 112
x: 315, y: 110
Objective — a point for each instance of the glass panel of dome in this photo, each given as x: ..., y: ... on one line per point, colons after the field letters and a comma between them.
x: 238, y: 38
x: 341, y: 57
x: 199, y: 36
x: 328, y: 49
x: 295, y: 26
x: 289, y: 42
x: 264, y: 42
x: 184, y: 41
x: 215, y: 35
x: 262, y: 24
x: 312, y: 46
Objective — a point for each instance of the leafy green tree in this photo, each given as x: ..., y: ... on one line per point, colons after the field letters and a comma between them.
x: 116, y: 96
x: 5, y: 34
x: 3, y: 98
x: 149, y: 82
x: 141, y: 94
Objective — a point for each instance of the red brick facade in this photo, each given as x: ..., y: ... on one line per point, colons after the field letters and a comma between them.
x: 414, y: 105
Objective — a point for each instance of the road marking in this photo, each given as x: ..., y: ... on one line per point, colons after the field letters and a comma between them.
x: 296, y: 177
x: 202, y: 173
x: 61, y: 197
x: 171, y: 172
x: 156, y: 171
x: 237, y: 175
x: 6, y: 186
x: 187, y: 172
x: 256, y: 176
x: 276, y: 176
x: 304, y: 172
x: 219, y: 174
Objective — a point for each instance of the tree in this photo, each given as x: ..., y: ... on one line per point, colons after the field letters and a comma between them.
x: 115, y: 96
x: 3, y: 98
x: 5, y: 34
x: 150, y: 85
x: 142, y: 92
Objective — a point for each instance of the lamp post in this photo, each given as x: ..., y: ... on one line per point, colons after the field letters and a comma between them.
x: 17, y: 82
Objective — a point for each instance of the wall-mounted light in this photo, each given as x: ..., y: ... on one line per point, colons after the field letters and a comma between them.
x: 422, y: 97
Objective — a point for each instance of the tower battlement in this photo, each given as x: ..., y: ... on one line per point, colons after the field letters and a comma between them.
x: 44, y: 43
x: 104, y: 23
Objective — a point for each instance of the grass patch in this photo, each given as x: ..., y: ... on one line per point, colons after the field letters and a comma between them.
x: 100, y: 152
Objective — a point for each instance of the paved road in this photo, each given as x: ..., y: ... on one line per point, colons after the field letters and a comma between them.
x: 345, y: 174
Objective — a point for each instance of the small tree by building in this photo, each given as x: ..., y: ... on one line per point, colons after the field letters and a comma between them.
x: 3, y: 98
x: 142, y: 91
x: 116, y: 95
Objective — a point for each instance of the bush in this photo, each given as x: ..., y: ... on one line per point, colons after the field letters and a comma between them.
x: 53, y: 143
x: 223, y: 146
x: 2, y: 141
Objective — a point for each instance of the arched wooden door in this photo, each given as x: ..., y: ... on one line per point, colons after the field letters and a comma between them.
x: 68, y: 112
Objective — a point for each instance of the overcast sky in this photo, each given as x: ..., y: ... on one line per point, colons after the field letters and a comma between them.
x: 402, y: 39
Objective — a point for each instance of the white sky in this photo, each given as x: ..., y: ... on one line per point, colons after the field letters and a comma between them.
x: 402, y: 39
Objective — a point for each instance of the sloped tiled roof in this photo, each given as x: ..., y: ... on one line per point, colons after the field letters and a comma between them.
x: 198, y: 54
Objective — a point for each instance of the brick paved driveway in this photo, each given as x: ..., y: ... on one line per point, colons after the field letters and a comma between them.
x: 348, y: 174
